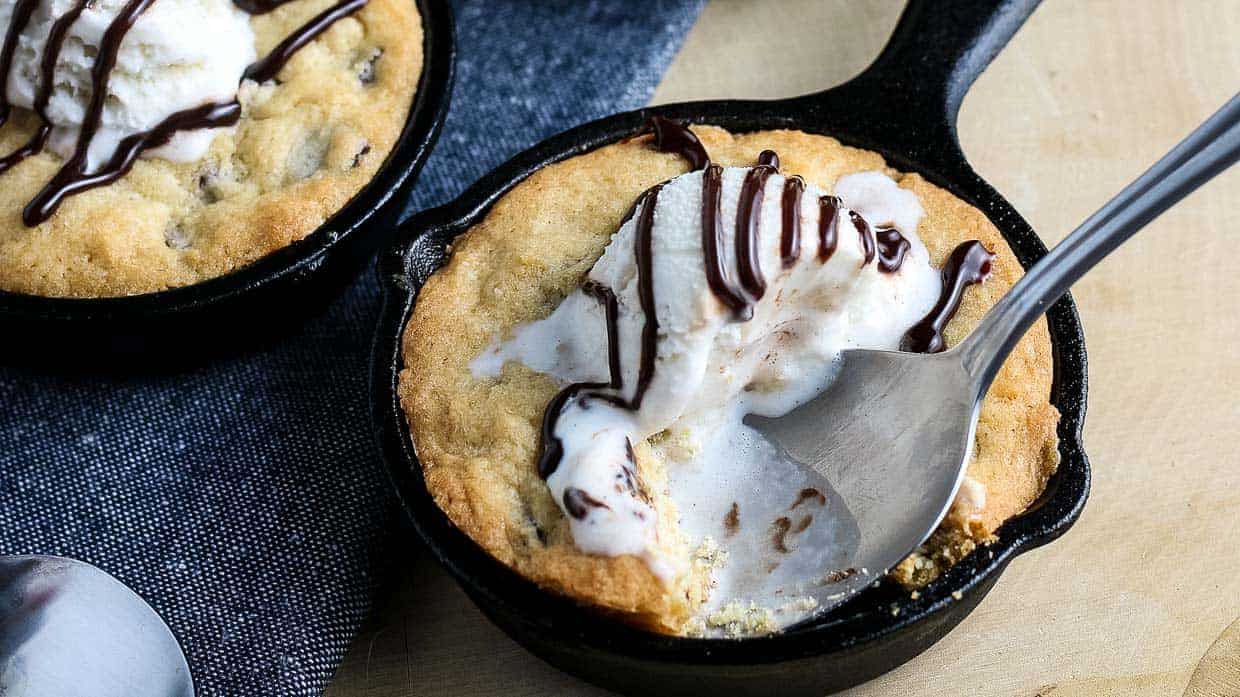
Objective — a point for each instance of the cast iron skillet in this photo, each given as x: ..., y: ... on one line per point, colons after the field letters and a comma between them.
x: 258, y: 300
x: 903, y: 106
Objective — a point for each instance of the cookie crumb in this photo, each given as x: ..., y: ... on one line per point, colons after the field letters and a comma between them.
x: 695, y: 628
x: 840, y: 575
x: 798, y: 605
x: 737, y: 620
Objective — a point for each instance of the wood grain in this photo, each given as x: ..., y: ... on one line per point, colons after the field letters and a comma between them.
x: 1129, y: 602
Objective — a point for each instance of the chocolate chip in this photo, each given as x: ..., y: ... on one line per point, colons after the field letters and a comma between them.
x: 530, y: 518
x: 208, y: 178
x: 366, y: 70
x: 357, y: 159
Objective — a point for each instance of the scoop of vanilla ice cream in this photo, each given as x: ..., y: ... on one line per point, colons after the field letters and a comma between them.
x: 179, y: 54
x: 711, y: 370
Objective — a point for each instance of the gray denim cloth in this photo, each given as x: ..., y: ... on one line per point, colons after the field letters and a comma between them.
x: 245, y: 500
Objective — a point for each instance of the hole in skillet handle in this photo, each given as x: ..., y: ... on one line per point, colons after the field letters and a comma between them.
x: 253, y: 306
x: 936, y: 52
x: 907, y: 100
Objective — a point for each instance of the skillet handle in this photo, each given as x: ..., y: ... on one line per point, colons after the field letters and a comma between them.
x: 919, y: 80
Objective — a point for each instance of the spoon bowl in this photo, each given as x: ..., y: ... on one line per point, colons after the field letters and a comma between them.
x: 67, y: 628
x: 890, y: 436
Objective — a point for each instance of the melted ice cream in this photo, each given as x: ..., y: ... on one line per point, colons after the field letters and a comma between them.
x: 710, y: 369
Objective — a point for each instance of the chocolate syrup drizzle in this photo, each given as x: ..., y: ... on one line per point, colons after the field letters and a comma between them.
x: 645, y: 292
x: 966, y: 266
x: 72, y: 178
x: 718, y: 277
x: 578, y: 502
x: 828, y: 227
x: 259, y: 7
x: 673, y: 137
x: 267, y: 67
x: 552, y: 446
x: 72, y: 174
x: 748, y: 214
x: 891, y: 248
x: 790, y: 242
x: 17, y: 21
x: 47, y: 70
x: 867, y: 238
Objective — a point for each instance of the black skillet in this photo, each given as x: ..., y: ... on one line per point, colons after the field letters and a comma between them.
x: 261, y: 299
x: 903, y: 106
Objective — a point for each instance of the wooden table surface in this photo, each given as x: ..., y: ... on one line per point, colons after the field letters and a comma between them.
x: 1084, y: 98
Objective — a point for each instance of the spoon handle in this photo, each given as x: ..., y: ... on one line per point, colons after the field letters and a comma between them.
x: 1207, y: 151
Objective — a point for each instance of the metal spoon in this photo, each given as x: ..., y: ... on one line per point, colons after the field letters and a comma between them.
x: 893, y: 433
x: 68, y: 629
